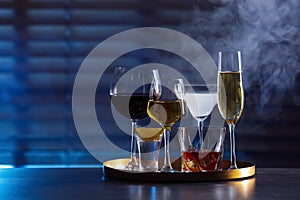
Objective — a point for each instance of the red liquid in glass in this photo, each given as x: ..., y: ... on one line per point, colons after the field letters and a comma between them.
x: 193, y: 161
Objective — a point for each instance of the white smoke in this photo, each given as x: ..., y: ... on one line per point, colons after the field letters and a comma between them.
x: 267, y: 32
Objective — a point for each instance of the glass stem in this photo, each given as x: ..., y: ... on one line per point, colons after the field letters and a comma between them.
x: 167, y: 159
x: 200, y: 127
x: 133, y: 162
x: 200, y: 121
x: 132, y: 144
x: 233, y: 164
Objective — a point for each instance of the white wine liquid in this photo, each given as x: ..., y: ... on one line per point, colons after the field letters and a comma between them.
x: 230, y: 96
x: 166, y: 113
x: 149, y: 134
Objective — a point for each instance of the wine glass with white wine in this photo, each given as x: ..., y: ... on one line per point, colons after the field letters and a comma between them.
x: 166, y: 106
x: 230, y: 94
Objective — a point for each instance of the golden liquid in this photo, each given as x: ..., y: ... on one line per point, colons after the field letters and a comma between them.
x: 230, y: 96
x: 149, y: 134
x: 166, y: 113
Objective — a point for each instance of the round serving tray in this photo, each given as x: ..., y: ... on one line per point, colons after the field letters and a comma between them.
x: 116, y: 169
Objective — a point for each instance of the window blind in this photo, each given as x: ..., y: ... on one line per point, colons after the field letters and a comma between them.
x: 42, y: 44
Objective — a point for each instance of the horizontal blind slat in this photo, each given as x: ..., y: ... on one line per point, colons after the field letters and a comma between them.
x: 42, y: 45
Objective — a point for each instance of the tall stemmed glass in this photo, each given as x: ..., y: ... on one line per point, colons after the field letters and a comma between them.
x: 166, y: 106
x: 130, y: 94
x: 200, y: 99
x: 230, y: 94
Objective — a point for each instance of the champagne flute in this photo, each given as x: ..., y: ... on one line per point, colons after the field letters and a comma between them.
x: 200, y: 100
x: 129, y: 95
x: 230, y: 94
x: 166, y: 106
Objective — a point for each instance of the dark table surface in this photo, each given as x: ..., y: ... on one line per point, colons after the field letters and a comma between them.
x: 89, y: 183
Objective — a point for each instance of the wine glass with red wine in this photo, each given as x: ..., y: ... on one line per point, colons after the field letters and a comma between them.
x: 129, y: 94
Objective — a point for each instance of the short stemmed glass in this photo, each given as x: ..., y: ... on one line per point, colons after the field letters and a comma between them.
x: 200, y: 99
x: 166, y: 106
x: 230, y: 94
x: 129, y: 93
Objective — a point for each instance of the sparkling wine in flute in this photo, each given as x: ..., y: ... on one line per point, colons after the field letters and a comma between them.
x: 231, y: 96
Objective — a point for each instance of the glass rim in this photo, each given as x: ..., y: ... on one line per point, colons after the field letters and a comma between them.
x: 230, y: 51
x: 200, y: 84
x: 220, y: 71
x: 197, y: 128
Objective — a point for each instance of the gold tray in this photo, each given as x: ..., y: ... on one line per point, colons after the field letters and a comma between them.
x: 116, y: 169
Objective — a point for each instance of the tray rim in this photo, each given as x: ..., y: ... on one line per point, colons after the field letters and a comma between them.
x: 246, y: 170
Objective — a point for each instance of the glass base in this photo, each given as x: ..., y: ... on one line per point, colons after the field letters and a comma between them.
x: 167, y: 169
x: 132, y: 164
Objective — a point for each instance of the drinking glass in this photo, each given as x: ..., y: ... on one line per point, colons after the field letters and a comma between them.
x: 148, y: 141
x: 166, y: 106
x: 205, y: 159
x: 129, y: 93
x: 200, y: 100
x: 230, y: 94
